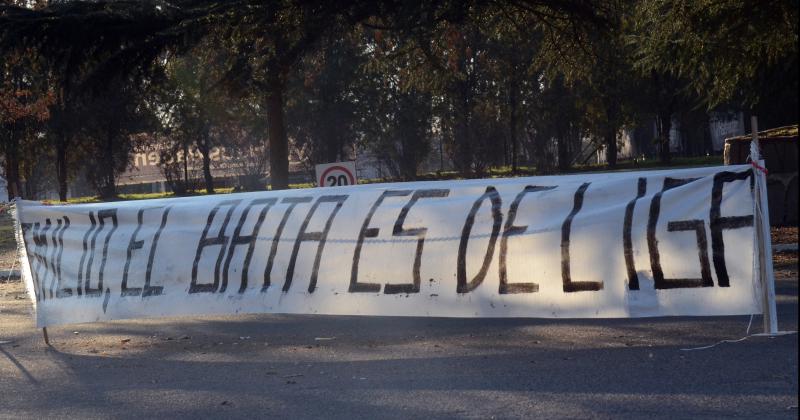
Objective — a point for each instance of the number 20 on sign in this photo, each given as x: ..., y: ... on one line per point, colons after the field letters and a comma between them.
x: 336, y: 174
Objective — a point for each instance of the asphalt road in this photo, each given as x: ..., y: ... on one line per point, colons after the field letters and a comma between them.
x: 376, y: 367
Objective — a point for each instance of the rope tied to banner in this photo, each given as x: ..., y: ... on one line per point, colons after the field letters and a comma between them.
x: 759, y: 167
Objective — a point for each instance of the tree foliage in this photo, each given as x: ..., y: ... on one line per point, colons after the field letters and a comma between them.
x: 726, y: 51
x: 484, y: 84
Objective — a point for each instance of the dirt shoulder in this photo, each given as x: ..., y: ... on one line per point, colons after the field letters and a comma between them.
x: 8, y: 245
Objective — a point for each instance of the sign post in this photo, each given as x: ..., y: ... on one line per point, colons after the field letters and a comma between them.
x: 336, y: 174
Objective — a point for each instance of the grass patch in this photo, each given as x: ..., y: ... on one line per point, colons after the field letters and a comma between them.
x: 494, y: 172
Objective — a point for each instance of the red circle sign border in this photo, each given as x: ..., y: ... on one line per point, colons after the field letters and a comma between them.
x: 343, y: 169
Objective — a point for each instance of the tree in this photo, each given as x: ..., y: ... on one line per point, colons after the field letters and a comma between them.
x: 242, y: 137
x: 84, y: 45
x: 87, y: 44
x: 271, y: 39
x: 464, y: 53
x: 327, y: 97
x: 599, y: 67
x: 742, y: 53
x: 24, y: 107
x: 561, y: 116
x: 397, y: 127
x: 105, y: 136
x: 200, y: 109
x: 515, y: 42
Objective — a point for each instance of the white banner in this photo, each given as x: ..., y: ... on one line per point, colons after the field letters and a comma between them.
x: 633, y: 244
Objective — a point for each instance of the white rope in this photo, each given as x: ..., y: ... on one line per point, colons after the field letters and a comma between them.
x: 716, y: 344
x: 738, y: 340
x: 747, y: 335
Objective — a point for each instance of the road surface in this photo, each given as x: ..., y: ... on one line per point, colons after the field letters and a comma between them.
x: 379, y: 367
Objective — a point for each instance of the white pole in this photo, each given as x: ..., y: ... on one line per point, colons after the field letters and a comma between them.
x: 766, y: 272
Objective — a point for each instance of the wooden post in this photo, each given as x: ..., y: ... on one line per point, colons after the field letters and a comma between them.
x: 46, y: 338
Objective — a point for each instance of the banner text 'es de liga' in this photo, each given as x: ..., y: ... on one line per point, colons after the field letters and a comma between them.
x: 633, y: 244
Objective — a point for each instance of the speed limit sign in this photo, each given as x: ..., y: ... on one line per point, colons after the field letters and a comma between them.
x: 336, y: 174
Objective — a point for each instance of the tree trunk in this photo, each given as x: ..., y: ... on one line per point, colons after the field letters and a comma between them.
x: 512, y: 102
x: 664, y: 125
x: 506, y: 152
x: 108, y: 189
x: 540, y: 158
x: 61, y: 165
x: 665, y: 102
x: 204, y: 147
x: 12, y: 167
x: 205, y: 150
x: 514, y: 154
x: 612, y: 111
x: 209, y: 180
x: 186, y: 166
x: 331, y: 134
x: 611, y: 147
x: 408, y: 158
x: 12, y: 175
x: 564, y: 158
x: 463, y: 152
x: 278, y: 143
